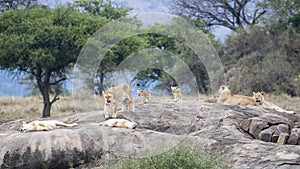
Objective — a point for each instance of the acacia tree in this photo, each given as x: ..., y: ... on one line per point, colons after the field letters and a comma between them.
x: 44, y: 43
x: 111, y: 11
x: 233, y: 14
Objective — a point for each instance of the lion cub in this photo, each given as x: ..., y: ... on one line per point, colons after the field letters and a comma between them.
x: 226, y: 97
x: 146, y: 95
x: 119, y: 123
x: 43, y: 125
x: 115, y: 96
x: 176, y: 92
x: 260, y: 101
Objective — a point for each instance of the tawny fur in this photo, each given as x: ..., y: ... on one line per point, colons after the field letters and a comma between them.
x: 226, y: 97
x: 176, y: 92
x: 45, y: 125
x: 212, y: 100
x: 259, y: 98
x: 146, y: 95
x: 123, y: 123
x: 116, y: 96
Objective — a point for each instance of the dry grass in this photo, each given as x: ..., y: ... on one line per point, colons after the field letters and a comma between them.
x: 285, y: 101
x: 32, y: 107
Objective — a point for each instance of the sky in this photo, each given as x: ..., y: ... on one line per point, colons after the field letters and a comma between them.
x: 10, y: 87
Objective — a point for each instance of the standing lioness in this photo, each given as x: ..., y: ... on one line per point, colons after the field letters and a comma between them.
x: 146, y: 95
x: 176, y: 92
x: 116, y: 95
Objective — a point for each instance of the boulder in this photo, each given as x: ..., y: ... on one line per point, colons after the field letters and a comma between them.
x: 266, y: 135
x: 256, y: 126
x: 294, y: 136
x: 232, y: 131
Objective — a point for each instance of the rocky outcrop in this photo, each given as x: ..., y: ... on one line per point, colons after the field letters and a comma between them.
x: 272, y: 128
x: 244, y: 135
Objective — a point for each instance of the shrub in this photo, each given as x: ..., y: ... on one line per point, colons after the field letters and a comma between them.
x: 184, y: 156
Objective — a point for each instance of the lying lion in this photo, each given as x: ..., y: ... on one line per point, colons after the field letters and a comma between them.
x: 226, y: 97
x: 119, y: 123
x: 43, y: 125
x: 260, y: 101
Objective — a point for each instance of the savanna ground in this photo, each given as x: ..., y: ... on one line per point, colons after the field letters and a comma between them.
x: 32, y: 106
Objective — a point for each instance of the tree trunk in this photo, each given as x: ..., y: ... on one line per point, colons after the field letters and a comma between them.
x: 101, y: 87
x: 47, y: 103
x: 43, y: 80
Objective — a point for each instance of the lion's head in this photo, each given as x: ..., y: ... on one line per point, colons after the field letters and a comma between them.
x: 108, y: 96
x: 25, y: 127
x: 174, y: 88
x: 224, y: 90
x: 140, y: 93
x: 132, y: 125
x: 259, y: 97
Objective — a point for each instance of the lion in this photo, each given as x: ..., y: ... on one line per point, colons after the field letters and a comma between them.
x: 176, y: 92
x: 116, y: 95
x: 226, y: 97
x: 212, y: 100
x: 259, y: 98
x: 45, y: 125
x: 146, y: 95
x: 119, y: 123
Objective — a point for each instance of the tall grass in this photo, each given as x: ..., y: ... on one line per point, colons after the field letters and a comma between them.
x: 184, y: 156
x: 32, y: 106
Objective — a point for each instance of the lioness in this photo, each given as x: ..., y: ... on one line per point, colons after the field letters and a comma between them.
x: 119, y: 123
x: 212, y: 100
x: 176, y: 92
x: 117, y: 95
x: 226, y: 97
x: 260, y: 101
x: 146, y: 95
x: 43, y: 125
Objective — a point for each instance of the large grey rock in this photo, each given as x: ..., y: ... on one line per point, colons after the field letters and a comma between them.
x: 162, y: 124
x: 294, y: 136
x: 266, y: 135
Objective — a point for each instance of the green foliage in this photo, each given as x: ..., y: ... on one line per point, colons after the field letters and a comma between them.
x: 295, y: 21
x: 182, y: 157
x: 44, y: 37
x: 178, y: 48
x: 44, y: 43
x: 264, y: 58
x: 2, y: 113
x: 103, y: 8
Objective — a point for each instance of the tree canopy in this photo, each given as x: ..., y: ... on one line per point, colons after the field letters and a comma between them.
x: 232, y: 14
x: 45, y: 43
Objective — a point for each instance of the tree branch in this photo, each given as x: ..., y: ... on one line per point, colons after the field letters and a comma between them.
x: 55, y: 98
x: 57, y: 81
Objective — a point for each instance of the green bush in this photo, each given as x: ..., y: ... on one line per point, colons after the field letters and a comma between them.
x: 183, y: 156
